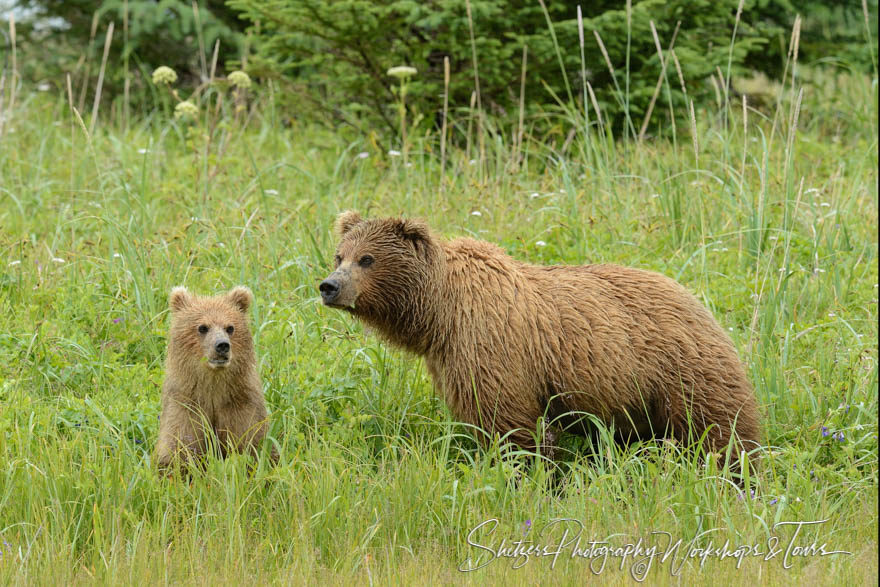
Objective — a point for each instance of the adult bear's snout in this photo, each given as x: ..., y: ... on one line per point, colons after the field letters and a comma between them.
x: 329, y: 290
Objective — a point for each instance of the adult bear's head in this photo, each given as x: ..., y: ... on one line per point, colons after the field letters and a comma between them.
x: 387, y: 274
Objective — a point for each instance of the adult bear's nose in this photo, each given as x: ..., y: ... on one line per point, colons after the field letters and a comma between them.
x: 222, y: 347
x: 329, y: 290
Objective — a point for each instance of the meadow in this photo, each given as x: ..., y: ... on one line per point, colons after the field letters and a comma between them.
x: 768, y: 214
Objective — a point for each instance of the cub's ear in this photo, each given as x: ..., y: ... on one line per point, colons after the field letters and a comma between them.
x: 412, y: 230
x: 179, y: 299
x: 241, y: 297
x: 346, y: 221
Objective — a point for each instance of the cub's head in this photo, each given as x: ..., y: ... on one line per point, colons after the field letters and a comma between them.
x: 384, y: 268
x: 210, y: 331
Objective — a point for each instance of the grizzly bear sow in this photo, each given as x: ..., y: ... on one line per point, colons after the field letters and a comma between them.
x: 212, y: 394
x: 507, y: 342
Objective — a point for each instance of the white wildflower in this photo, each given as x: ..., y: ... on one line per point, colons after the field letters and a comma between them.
x: 239, y: 79
x: 540, y: 244
x: 362, y: 155
x: 14, y: 263
x: 402, y: 71
x: 186, y: 109
x: 476, y: 213
x: 164, y: 75
x: 394, y: 153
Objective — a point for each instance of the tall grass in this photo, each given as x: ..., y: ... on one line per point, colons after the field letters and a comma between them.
x: 773, y: 226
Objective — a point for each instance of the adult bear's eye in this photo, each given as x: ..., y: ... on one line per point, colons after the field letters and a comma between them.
x: 230, y: 329
x: 203, y: 329
x: 366, y: 261
x: 338, y: 260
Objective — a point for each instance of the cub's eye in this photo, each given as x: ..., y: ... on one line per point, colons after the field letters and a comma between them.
x: 366, y: 261
x: 230, y: 329
x: 203, y: 329
x: 338, y: 260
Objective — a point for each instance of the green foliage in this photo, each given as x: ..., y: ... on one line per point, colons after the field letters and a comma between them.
x: 341, y: 49
x: 164, y: 32
x: 831, y: 31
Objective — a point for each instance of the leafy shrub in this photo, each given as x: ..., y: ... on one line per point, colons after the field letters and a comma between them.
x: 831, y: 31
x: 69, y: 36
x: 342, y: 48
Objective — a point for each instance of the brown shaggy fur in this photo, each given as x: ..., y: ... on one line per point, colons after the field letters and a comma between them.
x: 212, y: 393
x: 507, y: 342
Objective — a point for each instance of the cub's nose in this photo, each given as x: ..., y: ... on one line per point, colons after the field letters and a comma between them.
x: 329, y: 290
x: 222, y: 347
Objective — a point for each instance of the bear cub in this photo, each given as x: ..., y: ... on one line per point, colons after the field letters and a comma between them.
x: 212, y: 395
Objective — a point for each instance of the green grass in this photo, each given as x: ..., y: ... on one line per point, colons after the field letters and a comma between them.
x: 775, y: 229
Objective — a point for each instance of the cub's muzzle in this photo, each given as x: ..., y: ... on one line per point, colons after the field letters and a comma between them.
x: 219, y: 353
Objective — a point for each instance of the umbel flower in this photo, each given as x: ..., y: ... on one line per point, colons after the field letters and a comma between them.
x: 164, y: 75
x: 402, y: 71
x: 186, y: 109
x: 239, y: 79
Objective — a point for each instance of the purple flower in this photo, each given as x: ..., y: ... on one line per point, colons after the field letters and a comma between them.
x: 527, y: 526
x: 773, y: 501
x: 825, y: 431
x: 839, y: 436
x: 741, y: 494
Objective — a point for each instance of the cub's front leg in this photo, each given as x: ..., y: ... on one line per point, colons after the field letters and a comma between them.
x: 243, y: 426
x: 181, y: 433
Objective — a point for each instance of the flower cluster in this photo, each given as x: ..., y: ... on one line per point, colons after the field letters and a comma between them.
x: 164, y: 75
x: 402, y: 71
x: 239, y: 79
x: 186, y: 109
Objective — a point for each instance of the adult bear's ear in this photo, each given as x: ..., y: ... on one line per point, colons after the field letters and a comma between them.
x: 241, y: 297
x: 346, y: 221
x: 415, y: 231
x: 179, y: 299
